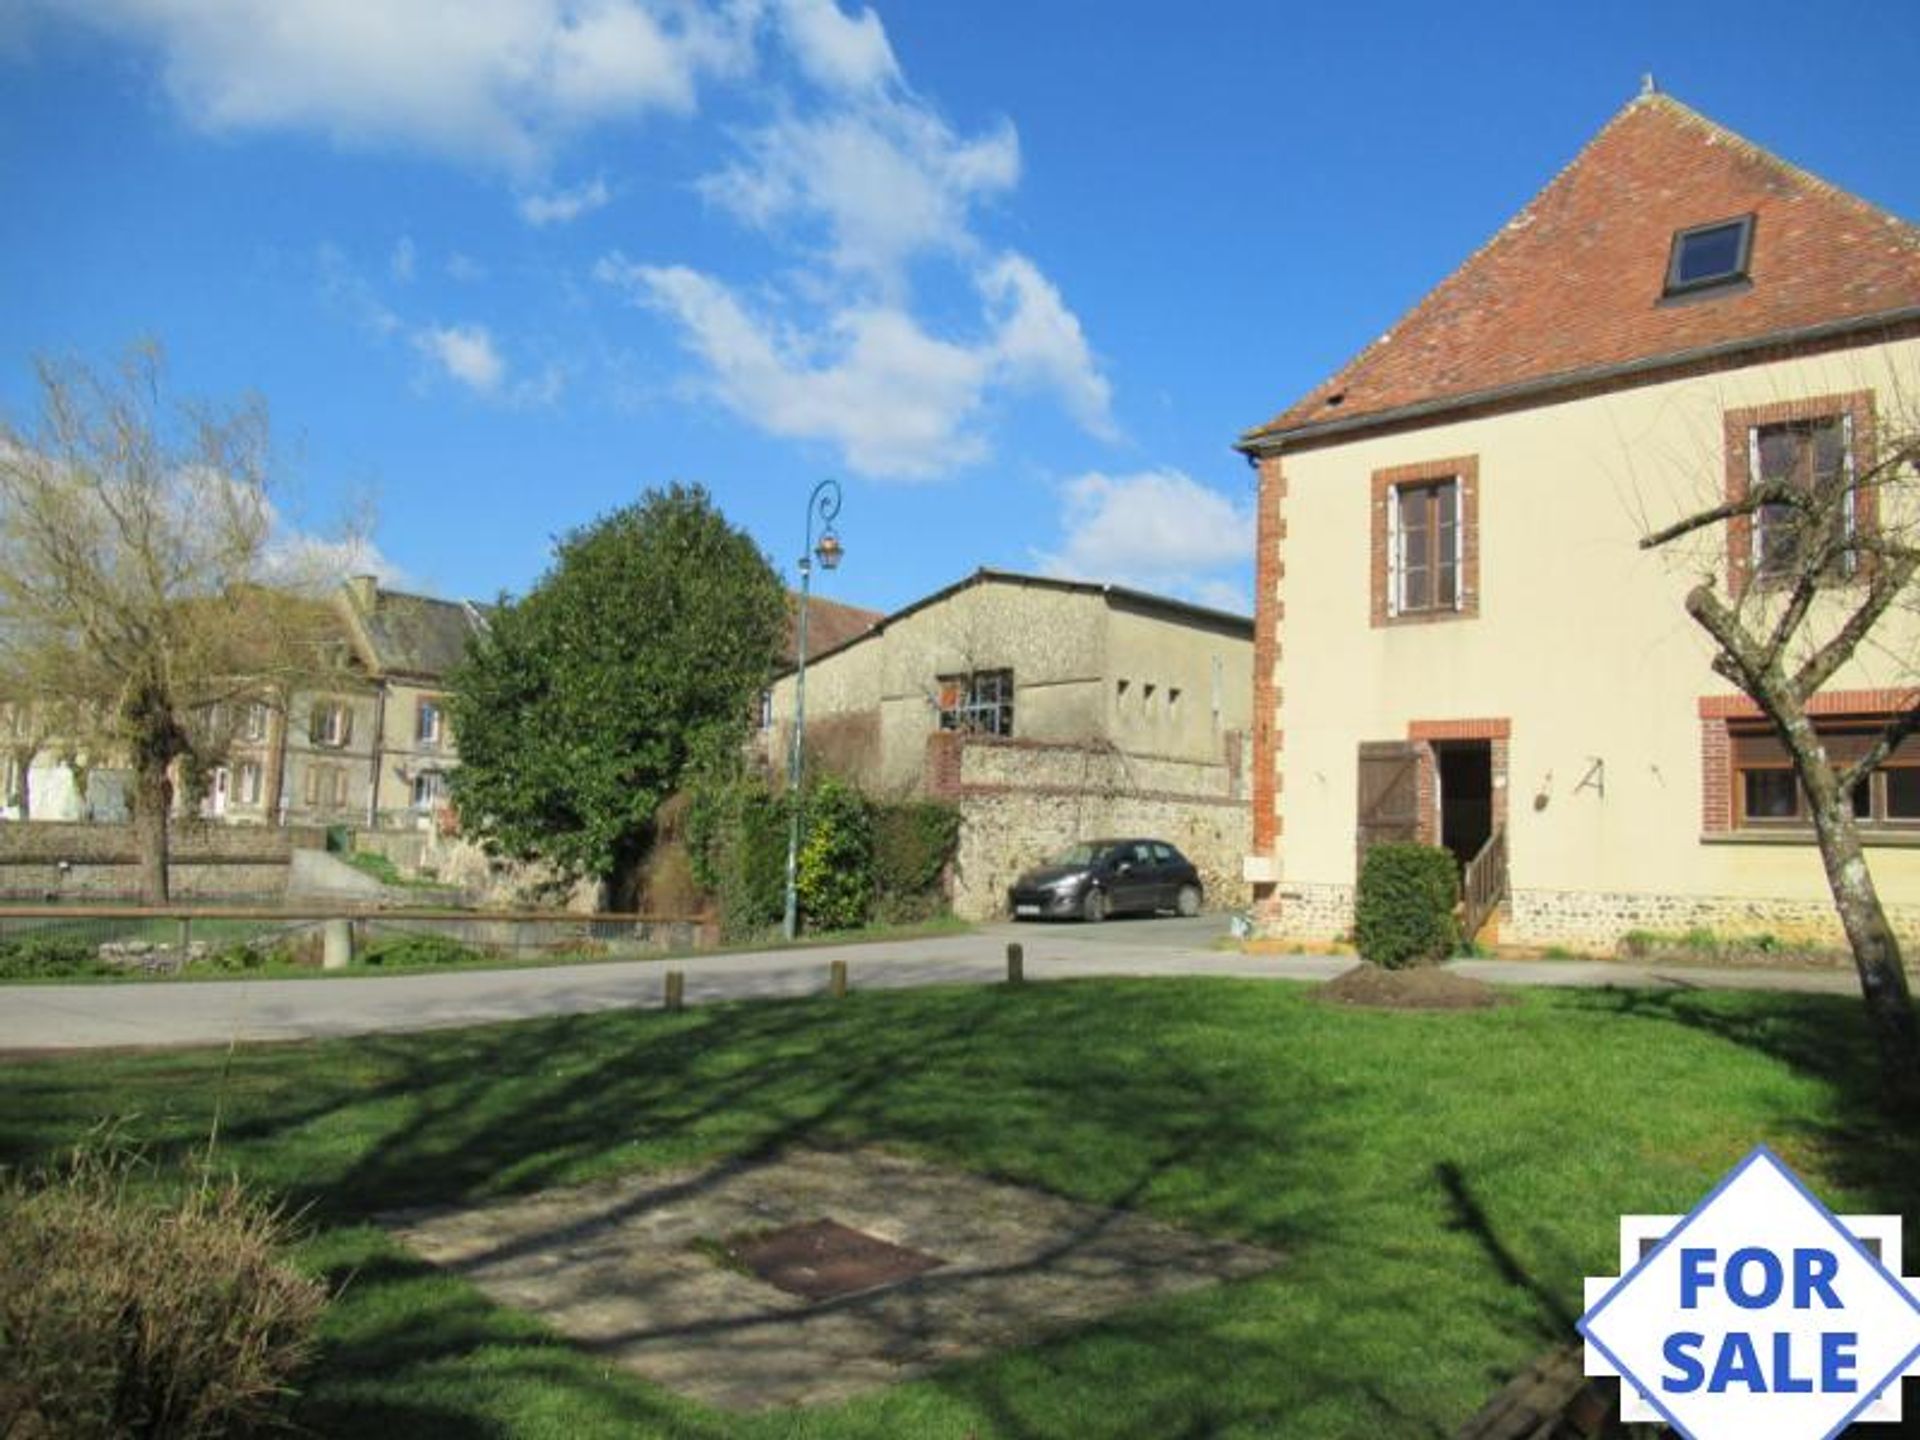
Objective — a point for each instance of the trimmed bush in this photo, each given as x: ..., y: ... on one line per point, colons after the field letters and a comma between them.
x: 912, y: 843
x: 35, y: 957
x: 1403, y: 913
x: 122, y: 1313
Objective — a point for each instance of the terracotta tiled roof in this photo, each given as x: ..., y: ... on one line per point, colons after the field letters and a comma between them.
x: 829, y: 624
x: 1573, y: 283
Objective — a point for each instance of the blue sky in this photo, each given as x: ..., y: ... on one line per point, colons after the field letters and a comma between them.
x: 1016, y: 273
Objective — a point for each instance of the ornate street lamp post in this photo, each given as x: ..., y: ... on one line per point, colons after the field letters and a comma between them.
x: 824, y: 502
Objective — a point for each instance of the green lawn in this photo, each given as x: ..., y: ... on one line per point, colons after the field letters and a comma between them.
x: 1439, y: 1182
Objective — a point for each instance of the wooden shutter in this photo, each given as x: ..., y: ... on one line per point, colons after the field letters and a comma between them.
x: 1389, y: 802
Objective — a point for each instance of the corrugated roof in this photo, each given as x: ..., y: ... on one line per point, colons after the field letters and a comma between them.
x: 1574, y: 283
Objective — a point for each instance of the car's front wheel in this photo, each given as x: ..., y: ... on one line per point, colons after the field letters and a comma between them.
x: 1094, y: 907
x: 1187, y: 902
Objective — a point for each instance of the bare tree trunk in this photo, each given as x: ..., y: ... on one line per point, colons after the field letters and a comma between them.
x: 1876, y: 949
x: 152, y: 797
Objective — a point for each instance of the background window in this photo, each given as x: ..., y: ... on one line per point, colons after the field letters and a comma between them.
x: 427, y: 723
x: 429, y: 789
x: 979, y: 703
x: 1427, y: 546
x: 331, y: 724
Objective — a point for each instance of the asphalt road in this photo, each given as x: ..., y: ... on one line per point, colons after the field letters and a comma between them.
x: 58, y: 1017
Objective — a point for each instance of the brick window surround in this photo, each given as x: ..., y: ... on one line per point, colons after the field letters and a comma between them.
x: 1465, y: 469
x: 1740, y: 425
x: 1717, y: 813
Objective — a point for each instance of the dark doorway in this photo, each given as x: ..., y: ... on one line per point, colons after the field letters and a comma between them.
x: 1466, y: 795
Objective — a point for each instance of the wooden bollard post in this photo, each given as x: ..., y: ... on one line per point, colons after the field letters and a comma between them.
x: 837, y: 979
x: 676, y: 989
x: 1016, y: 964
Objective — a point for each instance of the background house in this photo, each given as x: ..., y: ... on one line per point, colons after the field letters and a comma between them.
x: 1458, y: 637
x: 1049, y: 711
x: 372, y: 748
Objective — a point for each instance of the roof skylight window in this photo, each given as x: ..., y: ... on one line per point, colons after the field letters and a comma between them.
x: 1707, y: 256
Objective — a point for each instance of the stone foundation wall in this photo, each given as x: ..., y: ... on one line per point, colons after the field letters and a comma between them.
x: 1311, y: 913
x: 1585, y: 919
x: 1595, y: 920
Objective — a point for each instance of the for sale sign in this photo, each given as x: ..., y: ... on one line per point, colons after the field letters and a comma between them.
x: 1760, y: 1315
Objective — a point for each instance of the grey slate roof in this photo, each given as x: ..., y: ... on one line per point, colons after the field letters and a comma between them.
x: 418, y: 635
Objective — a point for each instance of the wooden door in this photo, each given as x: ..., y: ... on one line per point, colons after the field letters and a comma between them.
x: 1389, y: 802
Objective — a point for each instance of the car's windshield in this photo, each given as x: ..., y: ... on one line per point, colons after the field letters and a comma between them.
x: 1076, y: 855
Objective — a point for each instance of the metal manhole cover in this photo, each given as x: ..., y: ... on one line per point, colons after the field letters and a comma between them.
x: 823, y: 1259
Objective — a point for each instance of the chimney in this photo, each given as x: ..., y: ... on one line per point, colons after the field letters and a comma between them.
x: 363, y: 588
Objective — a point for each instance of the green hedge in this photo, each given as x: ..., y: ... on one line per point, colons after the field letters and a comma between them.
x: 35, y: 957
x: 859, y: 859
x: 1403, y: 914
x: 834, y: 879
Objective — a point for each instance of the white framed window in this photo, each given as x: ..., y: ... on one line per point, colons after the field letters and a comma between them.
x: 253, y: 721
x: 1425, y: 548
x: 428, y: 722
x: 246, y: 783
x: 429, y: 790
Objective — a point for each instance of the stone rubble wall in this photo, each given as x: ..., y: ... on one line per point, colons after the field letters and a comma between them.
x: 50, y: 860
x: 1315, y: 914
x: 1022, y: 801
x: 1596, y: 920
x: 1589, y: 920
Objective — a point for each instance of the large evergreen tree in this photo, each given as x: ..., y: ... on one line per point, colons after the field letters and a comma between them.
x: 644, y: 645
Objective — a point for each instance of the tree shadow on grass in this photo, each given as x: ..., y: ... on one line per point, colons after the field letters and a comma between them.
x: 1862, y: 1145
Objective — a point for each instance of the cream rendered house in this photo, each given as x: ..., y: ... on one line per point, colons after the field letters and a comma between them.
x: 374, y: 750
x: 1458, y: 637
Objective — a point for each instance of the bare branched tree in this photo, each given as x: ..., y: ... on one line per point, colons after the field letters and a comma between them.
x: 135, y: 533
x: 1803, y: 568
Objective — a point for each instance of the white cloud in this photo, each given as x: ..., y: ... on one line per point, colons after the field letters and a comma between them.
x: 465, y: 352
x: 562, y: 207
x: 1039, y: 341
x: 400, y: 264
x: 837, y: 51
x: 886, y: 181
x: 897, y: 401
x: 493, y: 80
x: 1157, y: 530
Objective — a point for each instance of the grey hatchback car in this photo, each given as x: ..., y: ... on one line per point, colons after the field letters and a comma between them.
x: 1098, y: 878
